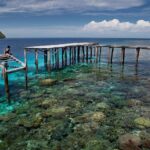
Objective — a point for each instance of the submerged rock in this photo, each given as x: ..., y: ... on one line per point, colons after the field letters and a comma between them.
x: 48, y: 103
x: 142, y: 122
x: 102, y: 105
x: 145, y: 139
x: 8, y: 117
x: 31, y: 121
x: 92, y: 116
x: 134, y: 102
x: 37, y: 144
x: 56, y: 112
x: 47, y: 82
x: 129, y: 142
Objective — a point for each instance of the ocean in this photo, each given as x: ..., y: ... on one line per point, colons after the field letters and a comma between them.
x: 90, y: 106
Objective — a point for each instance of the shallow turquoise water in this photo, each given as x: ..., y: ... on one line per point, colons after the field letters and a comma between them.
x: 88, y: 107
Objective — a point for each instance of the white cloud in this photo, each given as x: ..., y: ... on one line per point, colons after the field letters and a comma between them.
x: 117, y: 27
x: 58, y: 5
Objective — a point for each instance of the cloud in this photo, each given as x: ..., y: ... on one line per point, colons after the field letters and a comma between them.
x: 116, y: 26
x: 116, y: 4
x: 52, y: 6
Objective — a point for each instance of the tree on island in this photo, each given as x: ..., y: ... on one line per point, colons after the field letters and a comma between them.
x: 2, y: 36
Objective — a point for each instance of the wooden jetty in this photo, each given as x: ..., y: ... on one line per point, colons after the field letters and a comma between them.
x: 61, y: 55
x: 5, y: 60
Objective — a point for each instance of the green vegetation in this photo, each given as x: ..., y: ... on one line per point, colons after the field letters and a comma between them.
x: 2, y: 36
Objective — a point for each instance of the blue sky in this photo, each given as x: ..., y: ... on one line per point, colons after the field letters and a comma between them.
x: 75, y: 18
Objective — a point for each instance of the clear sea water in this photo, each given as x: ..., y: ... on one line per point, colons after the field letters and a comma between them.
x: 90, y: 107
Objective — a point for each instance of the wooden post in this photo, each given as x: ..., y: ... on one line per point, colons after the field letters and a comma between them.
x: 109, y: 54
x: 100, y: 53
x: 36, y: 60
x: 96, y: 51
x: 57, y: 58
x: 137, y: 55
x: 26, y: 68
x: 5, y: 74
x: 62, y: 57
x: 83, y: 53
x: 112, y: 53
x: 91, y: 51
x: 66, y: 56
x: 78, y: 55
x: 75, y: 57
x: 87, y: 55
x: 26, y: 78
x: 45, y: 58
x: 123, y: 55
x: 48, y: 61
x: 70, y: 54
x: 52, y: 53
x: 25, y: 57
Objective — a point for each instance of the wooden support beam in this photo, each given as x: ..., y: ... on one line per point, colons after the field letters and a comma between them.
x: 91, y: 48
x: 70, y: 54
x: 5, y: 74
x: 123, y: 55
x: 26, y: 78
x: 83, y: 53
x: 75, y: 57
x: 53, y: 57
x: 57, y: 51
x: 109, y: 54
x: 45, y: 58
x: 62, y: 57
x: 87, y: 53
x: 66, y: 56
x: 96, y: 52
x: 78, y: 54
x: 100, y: 53
x: 25, y: 58
x: 112, y: 53
x: 48, y: 60
x: 36, y: 60
x: 137, y: 55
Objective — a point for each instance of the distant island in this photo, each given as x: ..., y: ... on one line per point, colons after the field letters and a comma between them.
x: 2, y: 36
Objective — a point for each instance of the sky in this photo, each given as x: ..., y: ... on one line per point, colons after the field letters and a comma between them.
x: 75, y: 18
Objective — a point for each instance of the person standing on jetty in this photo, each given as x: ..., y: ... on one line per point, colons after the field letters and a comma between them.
x: 7, y: 50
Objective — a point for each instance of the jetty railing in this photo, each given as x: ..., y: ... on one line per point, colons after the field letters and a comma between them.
x: 4, y: 65
x: 111, y: 49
